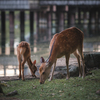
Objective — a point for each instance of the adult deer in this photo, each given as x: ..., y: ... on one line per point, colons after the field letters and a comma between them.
x: 63, y: 44
x: 23, y: 55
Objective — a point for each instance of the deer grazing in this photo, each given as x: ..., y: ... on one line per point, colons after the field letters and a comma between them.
x: 23, y: 55
x: 63, y: 44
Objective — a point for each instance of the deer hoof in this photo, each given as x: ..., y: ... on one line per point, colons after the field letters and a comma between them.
x: 83, y: 77
x: 34, y: 76
x: 80, y: 76
x: 20, y: 77
x: 67, y: 78
x: 23, y: 79
x: 49, y: 80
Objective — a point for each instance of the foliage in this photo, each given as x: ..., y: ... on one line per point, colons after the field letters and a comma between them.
x: 58, y: 89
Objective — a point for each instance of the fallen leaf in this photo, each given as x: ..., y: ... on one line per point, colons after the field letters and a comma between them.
x: 40, y: 94
x: 69, y: 94
x: 34, y: 87
x: 98, y: 91
x: 60, y: 91
x: 53, y: 94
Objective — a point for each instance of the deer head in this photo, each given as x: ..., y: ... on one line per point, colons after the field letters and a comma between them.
x: 44, y: 70
x: 32, y: 66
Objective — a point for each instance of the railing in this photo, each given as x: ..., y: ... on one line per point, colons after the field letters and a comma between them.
x: 19, y: 4
x: 69, y: 2
x: 35, y: 4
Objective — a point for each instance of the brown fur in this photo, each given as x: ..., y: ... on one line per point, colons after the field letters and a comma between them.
x: 51, y: 42
x: 23, y: 55
x: 63, y: 44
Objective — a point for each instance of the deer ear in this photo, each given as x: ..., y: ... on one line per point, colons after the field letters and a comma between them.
x: 42, y: 60
x: 34, y: 62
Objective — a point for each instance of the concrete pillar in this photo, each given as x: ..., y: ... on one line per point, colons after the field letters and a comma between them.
x: 31, y: 28
x: 36, y: 20
x: 93, y: 23
x: 3, y: 31
x: 49, y: 25
x: 85, y: 24
x: 22, y: 26
x: 98, y: 21
x: 61, y: 21
x: 71, y: 17
x: 4, y: 70
x: 11, y: 24
x: 79, y: 18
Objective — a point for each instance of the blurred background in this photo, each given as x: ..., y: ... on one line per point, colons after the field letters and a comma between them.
x: 36, y: 21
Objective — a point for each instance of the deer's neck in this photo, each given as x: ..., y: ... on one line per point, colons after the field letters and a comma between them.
x: 51, y: 51
x: 51, y: 59
x: 29, y: 61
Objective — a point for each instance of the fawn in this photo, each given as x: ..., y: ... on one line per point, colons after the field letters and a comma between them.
x: 63, y: 44
x: 23, y: 55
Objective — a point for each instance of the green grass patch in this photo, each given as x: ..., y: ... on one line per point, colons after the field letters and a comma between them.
x: 58, y: 89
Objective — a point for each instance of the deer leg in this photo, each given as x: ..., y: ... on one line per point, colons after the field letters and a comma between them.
x: 19, y: 70
x: 22, y: 68
x: 67, y: 63
x: 33, y: 74
x: 51, y: 77
x: 82, y: 57
x: 30, y: 67
x: 83, y: 74
x: 19, y: 61
x: 78, y: 59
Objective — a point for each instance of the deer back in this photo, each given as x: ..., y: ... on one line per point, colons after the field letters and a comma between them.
x: 67, y: 42
x: 24, y: 48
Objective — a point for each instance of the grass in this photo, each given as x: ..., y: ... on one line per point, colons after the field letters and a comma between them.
x: 58, y: 89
